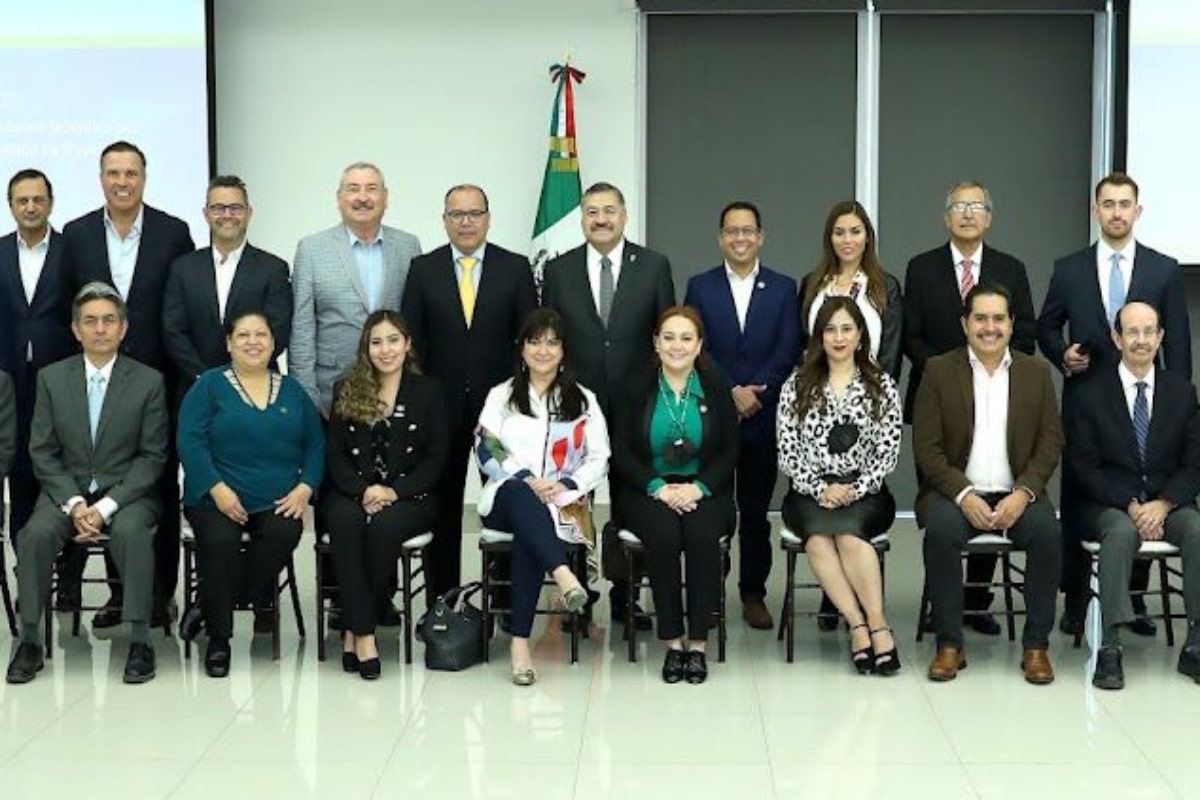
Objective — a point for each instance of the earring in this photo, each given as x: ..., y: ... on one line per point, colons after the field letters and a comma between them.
x: 560, y: 368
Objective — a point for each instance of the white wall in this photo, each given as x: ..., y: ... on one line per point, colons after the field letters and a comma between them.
x: 437, y: 92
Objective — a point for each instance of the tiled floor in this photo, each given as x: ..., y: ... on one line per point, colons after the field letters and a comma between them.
x: 603, y: 728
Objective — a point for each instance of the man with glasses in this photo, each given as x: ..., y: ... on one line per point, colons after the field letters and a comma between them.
x: 341, y: 275
x: 465, y: 303
x: 130, y: 246
x: 1136, y: 454
x: 935, y: 285
x: 221, y: 282
x: 35, y: 306
x: 610, y: 292
x: 1086, y: 291
x: 752, y: 330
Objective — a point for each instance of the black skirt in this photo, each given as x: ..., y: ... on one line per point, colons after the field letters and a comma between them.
x: 865, y: 518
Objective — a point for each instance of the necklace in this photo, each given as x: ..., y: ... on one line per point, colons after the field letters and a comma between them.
x: 677, y: 411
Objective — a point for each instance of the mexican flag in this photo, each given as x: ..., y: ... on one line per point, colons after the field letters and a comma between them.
x: 557, y: 227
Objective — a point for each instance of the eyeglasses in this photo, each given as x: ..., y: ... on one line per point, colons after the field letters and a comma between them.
x: 733, y: 233
x: 963, y: 208
x: 459, y: 216
x: 221, y: 209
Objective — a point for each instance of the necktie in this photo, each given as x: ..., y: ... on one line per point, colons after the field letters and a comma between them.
x: 466, y: 288
x: 1116, y: 289
x: 607, y: 290
x: 95, y: 402
x: 967, y: 282
x: 1141, y: 419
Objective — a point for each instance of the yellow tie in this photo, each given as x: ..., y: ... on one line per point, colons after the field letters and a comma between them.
x: 466, y: 287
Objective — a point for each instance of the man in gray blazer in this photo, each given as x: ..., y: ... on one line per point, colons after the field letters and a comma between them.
x: 98, y: 445
x: 341, y: 275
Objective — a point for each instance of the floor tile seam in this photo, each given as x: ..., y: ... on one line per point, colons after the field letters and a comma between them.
x: 41, y: 729
x: 201, y: 756
x: 1150, y: 761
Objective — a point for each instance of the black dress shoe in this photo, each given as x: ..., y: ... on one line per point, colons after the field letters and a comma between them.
x: 696, y: 667
x: 107, y: 617
x: 216, y: 658
x: 139, y: 666
x: 26, y: 663
x: 1109, y: 674
x: 984, y: 623
x: 369, y: 669
x: 674, y: 666
x: 349, y: 661
x: 1071, y: 624
x: 1189, y: 663
x: 1143, y: 626
x: 192, y: 624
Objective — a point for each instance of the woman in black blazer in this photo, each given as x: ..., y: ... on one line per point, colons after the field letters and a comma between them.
x: 387, y: 446
x: 675, y: 450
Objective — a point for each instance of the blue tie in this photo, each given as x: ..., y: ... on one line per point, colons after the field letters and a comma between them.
x: 1141, y: 419
x: 95, y: 402
x: 1116, y: 289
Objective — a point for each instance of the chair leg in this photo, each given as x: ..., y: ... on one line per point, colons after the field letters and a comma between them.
x: 924, y: 610
x: 487, y: 604
x: 406, y: 598
x: 1009, y: 611
x: 276, y: 614
x: 1165, y: 590
x: 630, y: 600
x: 320, y: 595
x: 295, y: 592
x: 8, y: 601
x: 578, y: 621
x: 48, y: 624
x: 189, y: 593
x: 788, y: 623
x: 722, y: 631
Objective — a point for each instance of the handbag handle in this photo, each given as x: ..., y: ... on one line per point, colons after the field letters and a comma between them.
x: 459, y: 595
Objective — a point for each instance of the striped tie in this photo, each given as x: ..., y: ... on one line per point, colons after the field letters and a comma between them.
x: 1141, y: 419
x: 967, y: 282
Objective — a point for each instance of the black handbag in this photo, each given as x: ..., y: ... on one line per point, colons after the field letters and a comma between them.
x: 453, y: 630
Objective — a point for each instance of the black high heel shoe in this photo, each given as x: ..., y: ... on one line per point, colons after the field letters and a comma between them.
x: 349, y: 661
x: 864, y: 658
x: 369, y: 668
x: 887, y: 662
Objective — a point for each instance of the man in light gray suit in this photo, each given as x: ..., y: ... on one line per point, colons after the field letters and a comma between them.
x: 98, y: 444
x: 341, y: 275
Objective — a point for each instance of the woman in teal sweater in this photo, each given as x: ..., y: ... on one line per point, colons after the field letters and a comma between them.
x: 253, y: 453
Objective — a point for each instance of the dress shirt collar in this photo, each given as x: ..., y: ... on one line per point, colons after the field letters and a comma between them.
x: 957, y: 256
x: 234, y: 257
x: 91, y: 370
x: 135, y: 230
x: 376, y: 239
x: 41, y: 245
x: 734, y: 277
x: 477, y: 255
x: 976, y: 364
x: 594, y: 255
x: 1104, y: 252
x: 1129, y: 381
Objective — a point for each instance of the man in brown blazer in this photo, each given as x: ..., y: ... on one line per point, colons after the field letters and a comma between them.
x: 987, y: 438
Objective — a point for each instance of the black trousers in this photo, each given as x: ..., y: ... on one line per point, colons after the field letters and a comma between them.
x: 1036, y: 532
x: 365, y: 551
x: 226, y: 576
x: 445, y: 551
x: 757, y: 469
x: 696, y: 536
x: 536, y: 549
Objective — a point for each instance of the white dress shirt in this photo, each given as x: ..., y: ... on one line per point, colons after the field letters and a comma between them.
x: 1129, y: 383
x: 1104, y: 266
x: 742, y: 290
x: 976, y: 263
x: 31, y: 260
x: 988, y: 468
x: 123, y: 253
x: 225, y: 270
x: 593, y: 268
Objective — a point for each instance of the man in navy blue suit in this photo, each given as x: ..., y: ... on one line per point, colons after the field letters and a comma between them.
x: 35, y: 310
x: 1086, y: 291
x: 752, y: 332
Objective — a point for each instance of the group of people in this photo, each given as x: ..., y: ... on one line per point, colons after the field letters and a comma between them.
x: 404, y: 366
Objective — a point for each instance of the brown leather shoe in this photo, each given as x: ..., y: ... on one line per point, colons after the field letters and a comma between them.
x: 947, y: 663
x: 1036, y: 664
x: 755, y: 612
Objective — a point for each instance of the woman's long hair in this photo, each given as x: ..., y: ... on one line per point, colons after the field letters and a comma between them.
x: 813, y: 371
x: 568, y: 402
x: 358, y: 396
x: 829, y: 266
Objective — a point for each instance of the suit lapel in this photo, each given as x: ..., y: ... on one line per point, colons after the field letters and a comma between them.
x: 1093, y: 289
x: 583, y: 290
x: 966, y: 390
x: 10, y: 270
x: 391, y: 255
x: 946, y: 285
x: 448, y: 278
x: 75, y: 400
x: 1122, y: 422
x: 245, y: 263
x: 489, y: 284
x: 726, y: 306
x: 116, y: 384
x: 49, y: 268
x: 346, y: 251
x: 146, y: 247
x: 1160, y: 411
x: 626, y: 288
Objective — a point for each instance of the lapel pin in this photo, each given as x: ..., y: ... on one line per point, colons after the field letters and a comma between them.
x: 761, y: 285
x: 703, y: 408
x: 632, y: 257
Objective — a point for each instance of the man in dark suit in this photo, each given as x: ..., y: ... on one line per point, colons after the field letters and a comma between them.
x: 752, y: 331
x: 98, y: 444
x: 216, y: 284
x: 35, y: 306
x: 610, y: 292
x: 987, y: 438
x: 129, y: 245
x: 1086, y: 291
x: 465, y: 303
x: 1135, y: 434
x: 934, y: 287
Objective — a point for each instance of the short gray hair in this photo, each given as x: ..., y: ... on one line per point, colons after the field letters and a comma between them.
x: 362, y: 165
x: 987, y: 196
x: 98, y: 290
